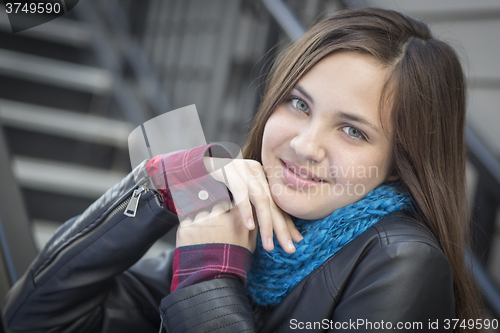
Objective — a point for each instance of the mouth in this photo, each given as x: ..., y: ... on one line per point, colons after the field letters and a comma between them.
x: 294, y: 172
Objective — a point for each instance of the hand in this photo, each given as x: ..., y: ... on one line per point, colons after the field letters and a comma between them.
x: 247, y: 182
x: 217, y: 226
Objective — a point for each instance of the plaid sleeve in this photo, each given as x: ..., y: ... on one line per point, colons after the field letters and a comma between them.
x: 197, y: 263
x: 183, y: 181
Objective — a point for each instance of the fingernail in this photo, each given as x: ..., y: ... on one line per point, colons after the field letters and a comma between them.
x: 251, y: 224
x: 290, y: 245
x: 270, y: 242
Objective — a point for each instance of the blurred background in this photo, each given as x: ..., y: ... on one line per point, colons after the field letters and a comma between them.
x: 73, y: 89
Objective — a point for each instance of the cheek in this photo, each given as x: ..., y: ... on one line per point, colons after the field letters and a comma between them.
x: 358, y: 165
x: 276, y: 133
x: 267, y: 143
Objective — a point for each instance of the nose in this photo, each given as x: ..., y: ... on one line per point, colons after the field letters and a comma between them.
x: 308, y: 144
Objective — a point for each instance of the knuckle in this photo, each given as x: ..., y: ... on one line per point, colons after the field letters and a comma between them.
x: 185, y: 222
x: 255, y: 164
x: 200, y: 216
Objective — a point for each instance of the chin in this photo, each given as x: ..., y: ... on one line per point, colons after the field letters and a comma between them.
x: 302, y: 209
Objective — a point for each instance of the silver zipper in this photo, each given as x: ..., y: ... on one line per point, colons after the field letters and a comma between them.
x: 137, y: 194
x: 134, y: 201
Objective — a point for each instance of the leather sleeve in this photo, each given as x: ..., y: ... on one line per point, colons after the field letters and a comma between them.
x: 218, y: 305
x: 80, y: 283
x: 401, y: 283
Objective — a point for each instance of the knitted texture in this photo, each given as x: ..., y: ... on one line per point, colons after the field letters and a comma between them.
x: 273, y: 274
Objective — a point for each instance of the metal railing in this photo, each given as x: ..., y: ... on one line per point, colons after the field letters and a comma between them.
x: 484, y: 210
x: 117, y: 51
x: 200, y: 52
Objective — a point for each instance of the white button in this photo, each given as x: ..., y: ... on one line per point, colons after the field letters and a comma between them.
x: 203, y: 195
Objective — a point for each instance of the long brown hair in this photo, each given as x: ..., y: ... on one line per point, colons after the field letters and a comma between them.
x: 427, y: 91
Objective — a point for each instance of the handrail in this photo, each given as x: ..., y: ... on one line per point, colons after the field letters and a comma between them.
x: 127, y: 49
x: 285, y: 18
x: 486, y: 284
x: 486, y: 196
x: 487, y: 165
x: 110, y: 60
x: 134, y: 56
x: 289, y: 22
x: 17, y: 246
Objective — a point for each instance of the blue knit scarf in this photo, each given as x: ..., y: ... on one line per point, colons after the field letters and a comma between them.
x: 273, y: 274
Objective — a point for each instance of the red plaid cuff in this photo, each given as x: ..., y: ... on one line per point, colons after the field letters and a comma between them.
x: 197, y: 263
x: 184, y: 182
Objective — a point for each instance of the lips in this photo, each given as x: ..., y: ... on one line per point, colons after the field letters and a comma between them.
x: 299, y: 179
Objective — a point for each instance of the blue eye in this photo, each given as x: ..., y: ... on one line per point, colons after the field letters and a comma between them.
x: 300, y: 105
x: 353, y: 132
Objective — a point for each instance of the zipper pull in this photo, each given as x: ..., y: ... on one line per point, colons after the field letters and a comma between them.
x: 131, y: 209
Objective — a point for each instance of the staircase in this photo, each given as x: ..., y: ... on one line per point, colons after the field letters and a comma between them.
x: 62, y: 120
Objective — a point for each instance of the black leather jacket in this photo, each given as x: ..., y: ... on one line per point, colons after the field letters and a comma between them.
x: 87, y: 279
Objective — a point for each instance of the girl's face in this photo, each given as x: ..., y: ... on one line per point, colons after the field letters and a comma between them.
x: 324, y: 148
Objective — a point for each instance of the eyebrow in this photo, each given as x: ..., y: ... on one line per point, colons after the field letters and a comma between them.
x: 358, y: 119
x: 303, y: 92
x: 342, y: 115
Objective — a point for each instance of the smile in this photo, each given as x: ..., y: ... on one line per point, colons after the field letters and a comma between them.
x: 293, y: 169
x: 298, y: 179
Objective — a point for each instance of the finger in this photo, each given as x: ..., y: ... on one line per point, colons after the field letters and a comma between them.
x: 281, y: 228
x: 220, y: 207
x: 262, y: 205
x: 185, y: 222
x: 239, y: 189
x: 252, y: 239
x: 266, y: 235
x: 201, y: 216
x: 283, y: 225
x: 281, y: 234
x: 264, y: 218
x: 273, y: 221
x: 261, y: 199
x: 257, y: 171
x: 266, y: 230
x: 294, y: 233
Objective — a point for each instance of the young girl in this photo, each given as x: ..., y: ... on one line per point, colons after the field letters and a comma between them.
x: 359, y: 138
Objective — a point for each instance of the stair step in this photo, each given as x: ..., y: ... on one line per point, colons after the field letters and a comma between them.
x: 63, y: 178
x: 60, y: 30
x: 55, y: 72
x: 64, y: 123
